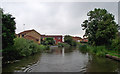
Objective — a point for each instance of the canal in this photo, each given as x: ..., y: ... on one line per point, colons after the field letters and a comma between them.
x: 63, y: 60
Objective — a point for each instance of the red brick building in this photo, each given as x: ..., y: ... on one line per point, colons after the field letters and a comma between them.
x: 77, y: 39
x: 30, y: 35
x: 57, y: 38
x: 85, y: 39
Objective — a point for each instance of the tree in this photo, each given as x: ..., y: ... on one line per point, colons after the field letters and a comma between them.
x: 8, y: 29
x: 48, y: 41
x: 116, y: 44
x: 68, y: 39
x: 100, y: 28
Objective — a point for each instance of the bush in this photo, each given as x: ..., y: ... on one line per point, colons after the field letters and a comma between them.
x: 97, y: 50
x: 9, y: 53
x: 69, y: 40
x: 63, y: 45
x: 48, y: 41
x: 22, y: 48
x: 74, y: 43
x: 60, y: 44
x: 83, y: 48
x: 116, y: 44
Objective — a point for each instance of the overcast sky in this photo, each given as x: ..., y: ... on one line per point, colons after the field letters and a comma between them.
x: 57, y: 18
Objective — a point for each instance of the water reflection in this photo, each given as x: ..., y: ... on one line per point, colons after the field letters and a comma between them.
x: 102, y: 64
x: 59, y: 50
x: 63, y: 52
x: 64, y: 60
x: 61, y: 60
x: 22, y: 64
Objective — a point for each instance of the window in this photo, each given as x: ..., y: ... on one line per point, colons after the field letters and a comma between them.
x: 22, y: 35
x: 18, y: 35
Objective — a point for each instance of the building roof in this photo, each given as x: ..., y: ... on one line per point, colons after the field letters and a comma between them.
x: 29, y: 31
x: 52, y: 35
x: 77, y: 37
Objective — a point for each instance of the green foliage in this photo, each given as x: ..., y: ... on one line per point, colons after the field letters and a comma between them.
x: 63, y: 45
x: 48, y: 41
x: 22, y: 48
x: 60, y: 44
x: 97, y: 50
x: 114, y: 54
x: 83, y: 48
x: 8, y: 30
x: 100, y: 28
x: 68, y: 39
x: 10, y: 53
x: 74, y: 43
x: 116, y: 44
x: 100, y: 50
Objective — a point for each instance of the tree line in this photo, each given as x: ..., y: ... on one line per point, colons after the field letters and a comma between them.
x: 102, y: 31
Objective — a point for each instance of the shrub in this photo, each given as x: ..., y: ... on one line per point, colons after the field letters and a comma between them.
x: 63, y: 45
x: 74, y: 43
x: 68, y: 39
x: 83, y: 48
x: 48, y: 41
x: 9, y: 53
x: 60, y: 44
x: 98, y: 50
x: 116, y: 44
x: 22, y: 48
x: 43, y: 47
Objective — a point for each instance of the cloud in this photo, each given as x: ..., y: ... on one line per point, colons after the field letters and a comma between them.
x: 54, y: 17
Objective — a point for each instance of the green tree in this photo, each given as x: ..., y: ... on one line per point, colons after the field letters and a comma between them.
x: 100, y: 28
x: 116, y: 44
x: 68, y: 39
x: 48, y: 41
x: 8, y: 29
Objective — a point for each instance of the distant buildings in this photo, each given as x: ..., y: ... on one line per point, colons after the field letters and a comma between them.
x: 57, y: 38
x: 77, y: 39
x: 36, y: 37
x: 31, y: 35
x: 85, y: 40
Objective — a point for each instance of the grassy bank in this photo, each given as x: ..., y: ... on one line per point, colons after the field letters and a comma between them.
x: 114, y: 53
x: 97, y: 50
x: 22, y: 48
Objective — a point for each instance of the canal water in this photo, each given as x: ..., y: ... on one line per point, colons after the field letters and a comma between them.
x: 63, y: 60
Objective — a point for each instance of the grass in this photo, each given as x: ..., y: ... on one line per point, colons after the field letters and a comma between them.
x: 114, y: 53
x: 97, y: 50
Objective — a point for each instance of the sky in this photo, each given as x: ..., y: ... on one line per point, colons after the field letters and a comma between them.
x: 54, y: 18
